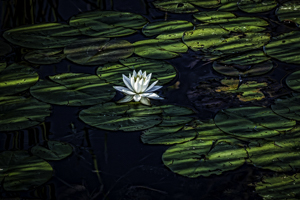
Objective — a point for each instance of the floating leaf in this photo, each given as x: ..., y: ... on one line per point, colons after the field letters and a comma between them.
x: 167, y: 29
x: 20, y: 171
x: 2, y: 65
x: 288, y: 108
x: 97, y: 51
x: 252, y: 122
x: 4, y: 48
x: 168, y: 135
x: 293, y: 81
x: 20, y: 113
x: 126, y: 117
x: 172, y: 115
x: 289, y: 11
x: 16, y: 78
x: 42, y: 36
x: 73, y: 89
x: 45, y: 56
x: 161, y: 70
x: 254, y: 70
x: 285, y: 47
x: 159, y: 49
x: 228, y: 5
x: 279, y: 187
x: 196, y: 158
x: 175, y: 6
x: 214, y: 16
x: 255, y: 6
x: 108, y: 23
x: 55, y: 150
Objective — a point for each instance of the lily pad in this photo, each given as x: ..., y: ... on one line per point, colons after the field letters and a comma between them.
x: 229, y: 6
x: 255, y: 6
x: 279, y: 187
x: 55, y: 150
x: 20, y: 171
x: 252, y: 122
x: 175, y: 6
x: 285, y: 47
x: 159, y: 49
x: 108, y: 23
x: 4, y: 48
x: 288, y: 107
x: 126, y: 117
x: 167, y: 30
x: 168, y: 135
x: 16, y: 78
x: 42, y: 36
x: 45, y: 56
x: 172, y: 115
x: 214, y: 16
x: 73, y: 89
x: 289, y: 11
x: 196, y: 158
x: 19, y: 113
x: 2, y: 65
x: 161, y: 70
x: 237, y: 71
x: 97, y: 51
x: 293, y: 81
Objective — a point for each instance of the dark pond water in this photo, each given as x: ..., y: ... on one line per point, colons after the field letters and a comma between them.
x: 117, y: 164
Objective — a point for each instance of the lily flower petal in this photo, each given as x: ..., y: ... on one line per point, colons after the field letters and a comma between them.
x: 154, y: 88
x: 127, y: 82
x: 124, y: 90
x: 127, y: 98
x: 151, y: 86
x: 145, y: 101
x: 137, y: 97
x: 136, y: 85
x: 151, y: 96
x: 134, y: 73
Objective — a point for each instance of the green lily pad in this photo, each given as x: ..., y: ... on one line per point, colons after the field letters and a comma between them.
x: 172, y: 115
x: 55, y: 150
x: 279, y: 187
x: 167, y: 30
x: 2, y: 66
x: 255, y: 6
x: 204, y: 37
x: 175, y: 6
x: 293, y: 81
x: 196, y: 158
x: 161, y: 70
x: 4, y: 48
x: 228, y: 6
x: 168, y: 135
x: 42, y: 36
x: 289, y: 11
x: 73, y: 89
x: 288, y: 107
x: 19, y: 113
x: 126, y: 117
x: 16, y: 78
x: 285, y: 47
x: 45, y: 56
x: 214, y: 16
x: 252, y: 122
x: 97, y: 51
x: 237, y: 71
x: 280, y: 157
x: 20, y: 171
x: 159, y: 49
x: 108, y: 23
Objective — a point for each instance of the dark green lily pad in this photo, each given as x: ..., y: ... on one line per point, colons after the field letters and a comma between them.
x: 255, y: 6
x: 196, y: 158
x: 45, y: 56
x: 159, y: 49
x: 42, y: 36
x: 167, y: 30
x: 252, y: 122
x: 293, y: 81
x: 285, y: 47
x: 19, y: 113
x: 228, y: 6
x: 20, y: 171
x: 279, y: 187
x: 97, y: 51
x: 4, y: 48
x: 2, y: 65
x: 16, y: 78
x: 214, y: 16
x: 161, y: 70
x: 108, y: 23
x: 172, y: 115
x: 126, y: 117
x: 289, y: 11
x: 237, y: 71
x: 55, y: 150
x: 288, y: 107
x: 168, y: 135
x: 73, y: 89
x: 175, y: 6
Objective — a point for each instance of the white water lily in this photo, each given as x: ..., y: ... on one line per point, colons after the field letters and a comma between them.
x: 137, y: 88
